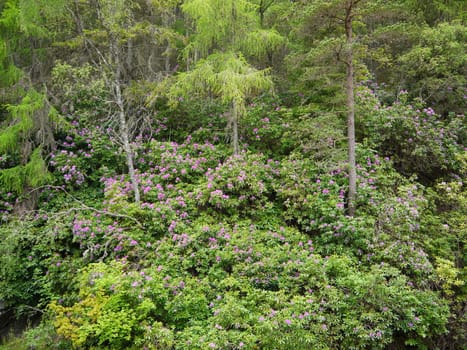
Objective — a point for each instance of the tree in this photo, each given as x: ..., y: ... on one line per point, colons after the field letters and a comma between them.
x: 349, y: 89
x: 225, y: 33
x: 340, y: 17
x: 128, y: 42
x: 27, y: 121
x: 230, y: 78
x: 115, y: 18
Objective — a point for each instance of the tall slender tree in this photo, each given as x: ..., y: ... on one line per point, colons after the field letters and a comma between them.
x: 329, y: 35
x: 115, y: 17
x: 225, y: 32
x: 349, y: 90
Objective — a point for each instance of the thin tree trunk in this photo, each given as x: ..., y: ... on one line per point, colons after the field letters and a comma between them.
x: 350, y: 111
x: 126, y: 141
x: 235, y: 129
x: 124, y: 133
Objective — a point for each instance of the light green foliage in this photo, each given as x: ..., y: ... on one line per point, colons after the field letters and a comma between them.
x: 10, y: 73
x: 21, y: 121
x: 30, y: 17
x: 227, y: 76
x: 111, y: 313
x: 224, y: 30
x: 27, y: 118
x: 448, y: 275
x: 224, y: 75
x: 261, y: 42
x: 220, y: 25
x: 27, y: 128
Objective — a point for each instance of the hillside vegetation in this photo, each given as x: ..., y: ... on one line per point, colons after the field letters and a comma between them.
x: 236, y: 174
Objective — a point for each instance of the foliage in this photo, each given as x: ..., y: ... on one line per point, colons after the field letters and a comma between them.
x: 247, y: 251
x: 434, y: 69
x: 27, y: 124
x: 417, y: 138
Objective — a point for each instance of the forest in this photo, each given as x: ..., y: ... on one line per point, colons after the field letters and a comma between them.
x: 233, y: 174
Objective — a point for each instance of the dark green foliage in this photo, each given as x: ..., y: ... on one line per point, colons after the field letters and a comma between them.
x: 418, y: 139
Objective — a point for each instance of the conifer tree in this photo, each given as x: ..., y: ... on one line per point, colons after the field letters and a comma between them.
x: 225, y: 32
x: 228, y: 77
x: 329, y: 31
x: 27, y: 121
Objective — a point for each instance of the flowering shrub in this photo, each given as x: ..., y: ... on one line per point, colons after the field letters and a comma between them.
x: 226, y: 286
x: 84, y: 156
x: 415, y: 136
x: 241, y: 184
x: 310, y: 198
x: 234, y: 252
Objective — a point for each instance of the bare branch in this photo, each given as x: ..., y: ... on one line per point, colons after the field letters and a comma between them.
x: 85, y: 207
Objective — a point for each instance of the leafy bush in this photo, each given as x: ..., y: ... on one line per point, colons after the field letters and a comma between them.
x: 417, y: 139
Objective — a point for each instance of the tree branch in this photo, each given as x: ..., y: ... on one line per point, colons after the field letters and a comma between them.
x: 85, y: 207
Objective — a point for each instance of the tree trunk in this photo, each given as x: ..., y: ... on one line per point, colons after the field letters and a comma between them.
x: 126, y: 140
x: 124, y: 132
x: 350, y: 111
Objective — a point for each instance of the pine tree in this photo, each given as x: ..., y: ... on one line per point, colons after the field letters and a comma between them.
x: 328, y: 32
x: 27, y: 121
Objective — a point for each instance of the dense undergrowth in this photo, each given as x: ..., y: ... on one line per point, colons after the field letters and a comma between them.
x: 253, y: 251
